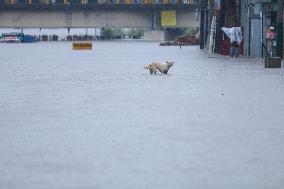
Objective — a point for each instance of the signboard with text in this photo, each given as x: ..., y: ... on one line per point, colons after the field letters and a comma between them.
x: 168, y: 18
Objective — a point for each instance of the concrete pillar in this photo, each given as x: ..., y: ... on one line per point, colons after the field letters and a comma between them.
x: 154, y: 19
x: 155, y: 35
x: 245, y: 25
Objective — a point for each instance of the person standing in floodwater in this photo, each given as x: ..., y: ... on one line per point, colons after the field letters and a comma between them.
x: 235, y: 42
x: 234, y: 49
x: 270, y: 40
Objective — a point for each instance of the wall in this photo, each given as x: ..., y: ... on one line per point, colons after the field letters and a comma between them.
x: 154, y: 35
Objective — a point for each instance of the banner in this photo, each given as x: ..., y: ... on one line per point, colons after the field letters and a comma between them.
x: 234, y: 33
x: 168, y: 18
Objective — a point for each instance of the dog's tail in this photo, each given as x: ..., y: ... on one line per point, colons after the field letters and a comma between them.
x: 146, y: 66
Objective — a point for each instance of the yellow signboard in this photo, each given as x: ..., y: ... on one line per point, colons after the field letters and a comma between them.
x: 168, y: 18
x: 82, y: 45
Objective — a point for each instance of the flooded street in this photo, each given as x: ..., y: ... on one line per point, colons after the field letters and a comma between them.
x: 98, y: 120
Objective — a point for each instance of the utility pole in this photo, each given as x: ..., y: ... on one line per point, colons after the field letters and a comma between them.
x: 203, y: 22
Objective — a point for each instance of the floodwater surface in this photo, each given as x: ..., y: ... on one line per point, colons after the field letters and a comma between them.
x: 98, y: 120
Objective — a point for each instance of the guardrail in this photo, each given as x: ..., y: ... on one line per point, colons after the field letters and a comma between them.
x: 88, y: 2
x: 101, y: 6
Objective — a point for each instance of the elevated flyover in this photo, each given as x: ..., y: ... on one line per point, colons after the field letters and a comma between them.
x: 24, y: 15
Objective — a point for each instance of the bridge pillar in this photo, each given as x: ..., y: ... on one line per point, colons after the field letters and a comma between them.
x: 156, y: 34
x: 93, y: 16
x: 156, y: 24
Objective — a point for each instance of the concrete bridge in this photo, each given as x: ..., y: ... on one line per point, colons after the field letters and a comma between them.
x: 96, y: 15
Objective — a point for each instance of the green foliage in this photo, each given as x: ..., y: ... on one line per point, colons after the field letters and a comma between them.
x: 135, y: 33
x: 118, y: 33
x: 107, y: 33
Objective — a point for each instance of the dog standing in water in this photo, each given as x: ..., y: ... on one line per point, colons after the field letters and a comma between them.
x: 163, y: 68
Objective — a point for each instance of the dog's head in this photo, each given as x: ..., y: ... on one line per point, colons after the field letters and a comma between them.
x: 169, y: 63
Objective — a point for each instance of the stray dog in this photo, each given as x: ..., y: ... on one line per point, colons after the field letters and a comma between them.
x: 163, y: 68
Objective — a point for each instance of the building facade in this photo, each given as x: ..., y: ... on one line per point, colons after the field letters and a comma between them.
x: 254, y: 16
x: 257, y: 17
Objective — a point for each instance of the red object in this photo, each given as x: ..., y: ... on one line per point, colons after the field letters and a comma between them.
x: 225, y: 47
x: 271, y: 35
x: 187, y: 40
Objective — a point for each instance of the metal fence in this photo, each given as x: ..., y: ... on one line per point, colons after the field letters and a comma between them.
x: 86, y: 2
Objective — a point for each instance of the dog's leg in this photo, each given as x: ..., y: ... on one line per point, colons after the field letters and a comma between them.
x: 151, y: 71
x: 155, y: 70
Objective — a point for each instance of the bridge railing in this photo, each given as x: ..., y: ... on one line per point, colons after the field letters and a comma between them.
x: 94, y: 2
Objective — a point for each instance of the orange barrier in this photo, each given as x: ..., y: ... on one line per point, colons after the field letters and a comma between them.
x: 82, y: 45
